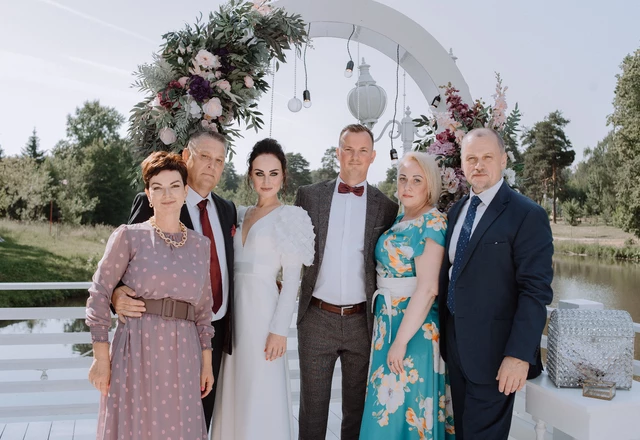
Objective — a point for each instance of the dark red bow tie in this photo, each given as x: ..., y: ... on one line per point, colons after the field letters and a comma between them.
x: 343, y: 188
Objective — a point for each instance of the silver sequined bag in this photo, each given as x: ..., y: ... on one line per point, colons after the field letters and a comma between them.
x: 590, y: 344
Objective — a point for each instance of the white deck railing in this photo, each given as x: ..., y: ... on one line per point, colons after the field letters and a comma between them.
x: 43, y: 392
x: 56, y: 388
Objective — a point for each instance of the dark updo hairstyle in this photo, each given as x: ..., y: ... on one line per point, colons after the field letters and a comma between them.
x: 268, y: 146
x: 161, y: 161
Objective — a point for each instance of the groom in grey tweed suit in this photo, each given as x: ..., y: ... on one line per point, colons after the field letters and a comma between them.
x: 334, y: 316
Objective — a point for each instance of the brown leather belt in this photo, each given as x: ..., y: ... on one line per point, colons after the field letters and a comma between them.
x: 169, y: 308
x: 340, y: 310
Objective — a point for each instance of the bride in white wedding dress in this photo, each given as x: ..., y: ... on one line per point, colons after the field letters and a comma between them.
x: 253, y: 399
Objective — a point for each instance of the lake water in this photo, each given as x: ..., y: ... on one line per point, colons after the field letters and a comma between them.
x: 615, y: 284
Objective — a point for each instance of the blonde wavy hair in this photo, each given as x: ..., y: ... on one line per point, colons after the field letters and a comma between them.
x: 426, y: 162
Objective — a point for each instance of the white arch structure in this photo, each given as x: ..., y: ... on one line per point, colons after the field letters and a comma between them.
x: 382, y: 28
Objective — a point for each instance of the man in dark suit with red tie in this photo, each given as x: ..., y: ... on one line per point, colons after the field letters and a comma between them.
x: 495, y: 284
x: 207, y: 213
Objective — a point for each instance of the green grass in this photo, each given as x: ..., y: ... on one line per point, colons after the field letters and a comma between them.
x: 609, y: 252
x: 30, y: 254
x: 595, y: 239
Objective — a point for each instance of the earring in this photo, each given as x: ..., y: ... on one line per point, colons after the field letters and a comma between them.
x: 185, y: 202
x: 150, y: 205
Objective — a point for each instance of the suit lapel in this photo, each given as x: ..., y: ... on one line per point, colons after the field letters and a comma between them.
x: 452, y: 217
x: 373, y: 206
x: 323, y: 209
x: 185, y: 217
x: 495, y: 208
x: 224, y: 220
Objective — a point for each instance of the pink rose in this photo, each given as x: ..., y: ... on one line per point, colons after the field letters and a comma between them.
x: 167, y: 136
x: 223, y: 84
x: 183, y: 81
x: 213, y: 108
x: 207, y: 59
x: 248, y: 81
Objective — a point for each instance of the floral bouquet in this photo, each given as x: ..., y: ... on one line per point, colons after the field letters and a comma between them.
x: 209, y: 75
x: 451, y: 126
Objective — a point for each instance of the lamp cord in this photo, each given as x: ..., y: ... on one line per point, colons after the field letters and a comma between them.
x: 395, y: 105
x: 358, y: 89
x: 273, y: 92
x: 349, y: 41
x: 304, y: 59
x: 295, y: 73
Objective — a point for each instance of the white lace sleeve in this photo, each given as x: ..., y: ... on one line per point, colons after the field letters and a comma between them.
x: 295, y: 244
x: 294, y: 236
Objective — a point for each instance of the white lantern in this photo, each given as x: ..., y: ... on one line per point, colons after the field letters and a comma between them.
x: 367, y: 101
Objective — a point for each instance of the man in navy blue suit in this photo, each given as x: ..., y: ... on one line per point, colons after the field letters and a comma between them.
x: 495, y: 285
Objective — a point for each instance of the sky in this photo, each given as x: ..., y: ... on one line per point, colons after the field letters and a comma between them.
x: 553, y: 55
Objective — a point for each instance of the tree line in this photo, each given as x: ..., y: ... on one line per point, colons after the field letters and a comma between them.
x: 91, y: 176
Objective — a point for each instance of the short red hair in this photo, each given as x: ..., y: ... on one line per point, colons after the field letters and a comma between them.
x: 161, y: 161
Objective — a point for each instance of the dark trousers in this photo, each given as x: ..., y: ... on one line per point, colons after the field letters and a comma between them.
x: 323, y: 337
x: 480, y: 411
x: 216, y: 357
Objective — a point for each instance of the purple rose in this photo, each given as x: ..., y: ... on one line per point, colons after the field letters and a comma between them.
x: 200, y: 88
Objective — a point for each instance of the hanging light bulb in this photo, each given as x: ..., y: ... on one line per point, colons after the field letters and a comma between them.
x: 394, y: 156
x: 294, y: 104
x: 306, y: 96
x: 349, y: 70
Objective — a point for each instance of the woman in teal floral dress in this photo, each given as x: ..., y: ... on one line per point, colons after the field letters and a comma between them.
x: 408, y: 395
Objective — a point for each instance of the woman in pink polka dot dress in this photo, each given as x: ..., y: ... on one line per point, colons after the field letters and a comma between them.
x: 159, y: 366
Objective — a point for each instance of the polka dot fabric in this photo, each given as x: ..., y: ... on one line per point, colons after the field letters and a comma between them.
x: 155, y: 362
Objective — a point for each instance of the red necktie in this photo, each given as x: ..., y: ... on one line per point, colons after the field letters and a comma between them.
x: 343, y: 188
x: 214, y: 268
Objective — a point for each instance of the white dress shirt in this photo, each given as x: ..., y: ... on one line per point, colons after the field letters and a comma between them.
x: 341, y: 277
x: 485, y: 198
x: 193, y: 198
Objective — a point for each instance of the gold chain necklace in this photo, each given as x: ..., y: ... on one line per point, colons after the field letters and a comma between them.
x: 166, y: 239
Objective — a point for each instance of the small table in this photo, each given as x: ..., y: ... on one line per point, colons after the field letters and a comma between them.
x: 576, y: 417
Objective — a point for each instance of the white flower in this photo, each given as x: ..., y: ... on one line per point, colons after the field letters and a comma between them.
x: 427, y: 406
x: 391, y: 393
x: 155, y: 102
x: 511, y: 157
x: 223, y: 84
x: 248, y: 81
x: 180, y: 60
x: 189, y: 49
x: 207, y: 59
x: 194, y: 109
x: 213, y: 108
x: 218, y: 74
x: 261, y: 7
x: 448, y: 174
x: 510, y: 176
x: 448, y: 402
x: 211, y: 126
x: 167, y: 136
x: 445, y: 121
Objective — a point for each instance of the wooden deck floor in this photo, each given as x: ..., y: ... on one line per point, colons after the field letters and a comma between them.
x: 86, y: 429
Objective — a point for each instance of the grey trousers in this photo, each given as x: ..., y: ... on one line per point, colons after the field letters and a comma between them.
x: 323, y: 337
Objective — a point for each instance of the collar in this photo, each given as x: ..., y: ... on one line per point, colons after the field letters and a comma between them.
x: 339, y: 180
x: 193, y: 198
x: 488, y: 195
